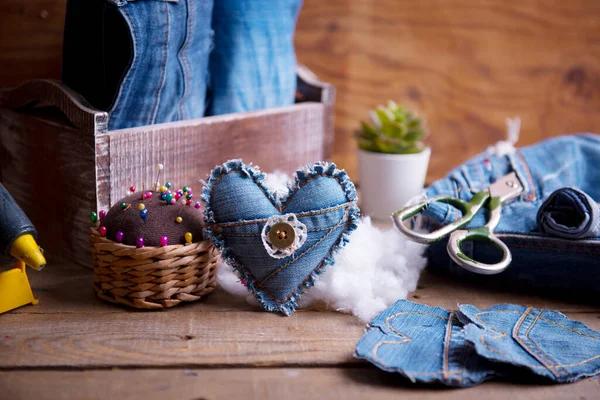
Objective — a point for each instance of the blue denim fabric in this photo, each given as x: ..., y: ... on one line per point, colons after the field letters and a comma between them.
x: 13, y: 222
x: 253, y: 64
x: 569, y: 213
x: 167, y: 79
x: 238, y: 205
x: 544, y: 341
x: 466, y: 347
x: 424, y: 344
x: 539, y: 260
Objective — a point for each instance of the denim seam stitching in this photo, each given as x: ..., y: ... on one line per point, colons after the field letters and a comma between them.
x: 533, y: 192
x: 548, y: 240
x: 308, y: 277
x: 183, y: 62
x: 259, y: 234
x: 532, y: 352
x: 154, y: 112
x: 299, y: 215
x: 284, y: 266
x: 446, y: 361
x: 550, y: 248
x: 550, y: 358
x: 502, y: 334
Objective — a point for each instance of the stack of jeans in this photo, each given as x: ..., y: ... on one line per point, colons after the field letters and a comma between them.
x: 557, y: 264
x: 154, y: 61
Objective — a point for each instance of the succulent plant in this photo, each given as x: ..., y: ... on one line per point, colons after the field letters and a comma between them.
x: 394, y: 130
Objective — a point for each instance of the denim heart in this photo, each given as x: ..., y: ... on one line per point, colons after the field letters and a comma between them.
x: 240, y: 209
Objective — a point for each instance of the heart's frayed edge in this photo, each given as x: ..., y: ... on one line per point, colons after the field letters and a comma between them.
x: 302, y: 175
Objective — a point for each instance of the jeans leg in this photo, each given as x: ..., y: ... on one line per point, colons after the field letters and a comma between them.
x: 253, y: 62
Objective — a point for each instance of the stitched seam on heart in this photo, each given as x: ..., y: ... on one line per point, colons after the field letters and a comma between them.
x: 266, y: 291
x: 287, y: 264
x: 259, y: 234
x: 268, y: 195
x: 303, y: 214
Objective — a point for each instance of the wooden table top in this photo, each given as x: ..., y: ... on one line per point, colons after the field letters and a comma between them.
x: 74, y: 346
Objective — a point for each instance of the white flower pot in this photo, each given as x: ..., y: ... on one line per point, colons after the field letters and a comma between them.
x: 388, y: 181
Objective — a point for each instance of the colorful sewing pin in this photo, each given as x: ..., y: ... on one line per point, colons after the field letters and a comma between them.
x: 119, y: 236
x: 197, y: 205
x: 139, y: 242
x: 141, y: 206
x: 189, y: 196
x: 186, y: 188
x: 102, y: 214
x: 132, y: 189
x: 188, y: 237
x: 164, y: 240
x: 173, y: 201
x: 163, y: 196
x: 163, y: 189
x: 147, y: 195
x: 93, y: 217
x: 182, y: 201
x: 102, y: 231
x: 188, y: 202
x: 168, y: 198
x: 123, y: 205
x: 177, y: 196
x: 168, y: 185
x: 157, y: 184
x: 144, y: 214
x: 179, y: 220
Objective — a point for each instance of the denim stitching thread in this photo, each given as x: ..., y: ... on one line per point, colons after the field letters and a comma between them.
x: 163, y: 74
x: 307, y: 278
x: 522, y: 343
x: 258, y: 234
x: 446, y: 361
x: 302, y: 214
x: 552, y: 360
x: 533, y: 192
x: 502, y: 334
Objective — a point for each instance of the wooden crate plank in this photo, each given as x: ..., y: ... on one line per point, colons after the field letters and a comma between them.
x: 261, y: 384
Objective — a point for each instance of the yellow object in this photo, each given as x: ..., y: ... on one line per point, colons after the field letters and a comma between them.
x: 26, y: 249
x: 178, y: 220
x: 14, y: 288
x: 141, y: 206
x: 188, y: 237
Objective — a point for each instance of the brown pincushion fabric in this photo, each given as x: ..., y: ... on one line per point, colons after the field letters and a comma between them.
x: 160, y: 221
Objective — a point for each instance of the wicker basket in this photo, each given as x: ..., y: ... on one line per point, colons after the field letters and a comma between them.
x: 152, y: 277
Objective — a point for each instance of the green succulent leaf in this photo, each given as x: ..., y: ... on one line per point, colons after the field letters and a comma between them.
x: 395, y: 130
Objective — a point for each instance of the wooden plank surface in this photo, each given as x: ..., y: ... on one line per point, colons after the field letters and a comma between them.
x: 71, y: 328
x: 263, y: 383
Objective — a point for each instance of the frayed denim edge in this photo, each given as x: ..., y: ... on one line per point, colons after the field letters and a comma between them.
x: 301, y: 176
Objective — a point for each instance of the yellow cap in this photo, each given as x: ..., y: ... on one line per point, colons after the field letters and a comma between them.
x: 26, y: 249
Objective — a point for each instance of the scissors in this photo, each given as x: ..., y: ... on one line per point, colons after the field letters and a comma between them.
x: 502, y: 191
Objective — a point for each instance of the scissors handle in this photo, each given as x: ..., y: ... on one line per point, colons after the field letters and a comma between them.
x: 482, y: 234
x: 468, y: 209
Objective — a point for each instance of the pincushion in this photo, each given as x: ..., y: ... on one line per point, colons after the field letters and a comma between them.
x: 148, y: 251
x: 160, y: 221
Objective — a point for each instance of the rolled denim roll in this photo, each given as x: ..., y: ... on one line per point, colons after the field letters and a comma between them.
x: 569, y: 213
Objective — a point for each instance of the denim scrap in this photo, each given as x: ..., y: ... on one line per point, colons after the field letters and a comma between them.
x: 466, y: 347
x: 424, y: 344
x: 569, y: 213
x: 238, y: 205
x: 546, y: 342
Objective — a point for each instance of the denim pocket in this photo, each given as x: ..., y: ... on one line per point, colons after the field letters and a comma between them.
x: 424, y: 344
x: 544, y: 341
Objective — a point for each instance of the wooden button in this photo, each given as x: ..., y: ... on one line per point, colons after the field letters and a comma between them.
x: 282, y: 235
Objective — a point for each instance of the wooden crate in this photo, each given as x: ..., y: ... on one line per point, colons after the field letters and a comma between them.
x: 60, y: 163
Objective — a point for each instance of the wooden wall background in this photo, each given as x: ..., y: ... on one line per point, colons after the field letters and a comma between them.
x: 465, y: 64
